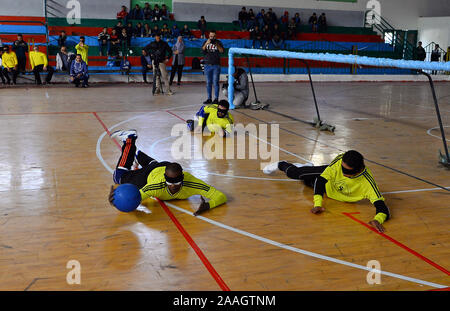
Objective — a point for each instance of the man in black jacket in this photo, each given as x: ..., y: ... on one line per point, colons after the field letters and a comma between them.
x: 420, y: 52
x: 160, y: 53
x: 21, y: 47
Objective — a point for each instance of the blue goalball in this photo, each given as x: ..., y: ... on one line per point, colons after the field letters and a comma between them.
x: 127, y: 198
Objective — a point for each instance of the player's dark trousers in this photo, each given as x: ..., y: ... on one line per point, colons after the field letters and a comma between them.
x: 123, y: 173
x: 306, y: 173
x: 14, y: 73
x: 39, y: 68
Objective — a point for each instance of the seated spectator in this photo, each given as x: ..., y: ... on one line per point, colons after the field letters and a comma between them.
x: 267, y: 35
x: 148, y: 12
x: 284, y: 20
x: 125, y: 66
x: 138, y: 31
x: 313, y: 22
x: 79, y: 72
x: 136, y: 13
x: 62, y: 39
x: 201, y: 24
x: 118, y: 27
x: 277, y: 31
x: 146, y: 63
x: 64, y: 59
x: 322, y: 23
x: 114, y: 41
x: 83, y: 49
x: 147, y: 31
x: 129, y: 29
x: 10, y: 65
x: 277, y: 42
x: 156, y: 31
x: 186, y: 32
x: 103, y: 41
x: 260, y: 18
x: 268, y: 20
x: 243, y: 18
x: 165, y: 32
x: 272, y: 17
x: 125, y: 41
x: 297, y: 19
x: 175, y: 31
x: 39, y: 63
x: 157, y: 13
x: 251, y: 21
x: 164, y: 13
x: 123, y: 14
x: 257, y: 37
x: 292, y: 30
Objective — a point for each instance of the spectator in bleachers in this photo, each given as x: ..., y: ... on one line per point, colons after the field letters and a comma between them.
x: 284, y: 20
x: 267, y: 35
x: 272, y: 17
x: 147, y: 30
x: 1, y: 67
x: 103, y: 41
x: 164, y: 13
x: 125, y: 41
x: 146, y: 63
x: 435, y: 56
x: 177, y: 60
x: 79, y: 72
x: 277, y: 37
x: 1, y: 46
x: 212, y: 48
x: 165, y: 32
x: 243, y: 18
x: 148, y: 12
x: 257, y: 37
x: 39, y: 63
x: 251, y: 21
x: 123, y: 14
x: 420, y: 53
x: 114, y: 40
x: 268, y: 20
x: 82, y: 49
x: 10, y: 65
x: 62, y: 39
x: 297, y: 19
x: 292, y: 30
x: 313, y: 22
x: 20, y: 47
x: 64, y: 59
x: 156, y: 31
x: 118, y: 27
x: 186, y: 32
x: 260, y: 18
x: 201, y: 24
x: 157, y: 13
x: 138, y: 31
x: 136, y: 13
x: 322, y: 23
x: 175, y: 32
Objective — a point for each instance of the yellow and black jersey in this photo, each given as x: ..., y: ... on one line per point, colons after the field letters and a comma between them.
x: 156, y: 187
x: 213, y: 122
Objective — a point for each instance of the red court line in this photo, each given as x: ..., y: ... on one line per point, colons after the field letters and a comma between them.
x: 188, y: 238
x: 175, y: 115
x: 399, y: 244
x: 445, y: 289
x: 199, y: 252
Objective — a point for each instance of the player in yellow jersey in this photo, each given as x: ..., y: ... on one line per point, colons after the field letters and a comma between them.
x: 345, y: 179
x: 216, y: 117
x: 162, y: 180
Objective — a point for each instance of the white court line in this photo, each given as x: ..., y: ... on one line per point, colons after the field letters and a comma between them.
x: 435, y: 128
x: 417, y: 190
x: 265, y: 240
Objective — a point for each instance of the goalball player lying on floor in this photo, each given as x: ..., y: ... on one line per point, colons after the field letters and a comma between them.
x: 346, y: 179
x: 215, y: 117
x: 162, y: 180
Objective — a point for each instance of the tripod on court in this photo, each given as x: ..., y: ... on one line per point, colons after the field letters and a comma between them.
x: 157, y: 77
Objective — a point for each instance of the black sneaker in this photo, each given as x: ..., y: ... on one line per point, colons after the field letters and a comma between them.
x: 216, y: 101
x: 207, y: 102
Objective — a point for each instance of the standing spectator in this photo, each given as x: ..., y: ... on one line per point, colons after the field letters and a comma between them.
x: 136, y: 13
x: 165, y: 32
x: 272, y: 16
x: 160, y: 53
x: 201, y: 24
x: 138, y: 31
x: 267, y: 35
x: 1, y: 67
x: 62, y: 39
x: 156, y: 13
x: 260, y: 18
x: 148, y: 12
x: 79, y: 72
x: 257, y: 37
x: 39, y: 63
x: 420, y: 52
x: 20, y: 47
x: 313, y: 22
x: 178, y: 60
x: 284, y: 20
x: 118, y: 27
x: 103, y: 41
x: 10, y: 65
x: 147, y: 31
x: 64, y: 59
x: 435, y: 56
x: 243, y: 18
x: 123, y: 14
x: 156, y: 31
x: 175, y: 32
x: 186, y: 32
x: 211, y: 49
x: 82, y: 49
x: 164, y: 13
x: 297, y: 19
x: 146, y: 63
x: 125, y: 41
x: 129, y: 29
x: 322, y: 22
x: 292, y: 30
x: 251, y: 21
x: 114, y: 41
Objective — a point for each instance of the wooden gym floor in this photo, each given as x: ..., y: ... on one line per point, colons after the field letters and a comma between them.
x: 55, y: 179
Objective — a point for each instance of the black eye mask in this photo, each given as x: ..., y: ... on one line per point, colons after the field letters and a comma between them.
x: 224, y: 111
x: 174, y: 180
x: 350, y: 172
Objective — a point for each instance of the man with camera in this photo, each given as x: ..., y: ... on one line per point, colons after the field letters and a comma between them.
x: 160, y: 53
x: 212, y: 49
